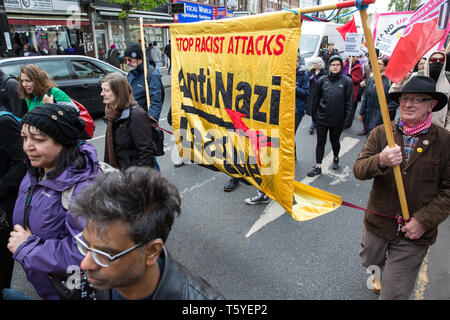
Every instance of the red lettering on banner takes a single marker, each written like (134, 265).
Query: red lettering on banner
(250, 48)
(260, 38)
(280, 44)
(247, 45)
(197, 44)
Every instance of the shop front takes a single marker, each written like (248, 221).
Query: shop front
(109, 29)
(48, 27)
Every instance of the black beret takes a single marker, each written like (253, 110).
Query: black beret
(57, 121)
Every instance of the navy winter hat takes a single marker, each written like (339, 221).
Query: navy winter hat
(134, 50)
(57, 121)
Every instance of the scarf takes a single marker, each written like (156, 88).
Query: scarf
(419, 129)
(110, 154)
(410, 136)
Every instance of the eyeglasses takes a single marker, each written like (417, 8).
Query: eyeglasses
(335, 65)
(434, 60)
(101, 258)
(414, 100)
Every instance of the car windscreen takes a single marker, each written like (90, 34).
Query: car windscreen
(308, 44)
(56, 69)
(11, 69)
(106, 67)
(85, 69)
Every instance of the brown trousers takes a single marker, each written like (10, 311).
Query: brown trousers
(399, 261)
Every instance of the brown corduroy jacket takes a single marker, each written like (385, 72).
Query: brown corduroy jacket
(426, 179)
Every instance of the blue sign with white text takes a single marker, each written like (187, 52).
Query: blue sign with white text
(195, 12)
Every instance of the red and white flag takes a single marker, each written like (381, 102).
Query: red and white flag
(426, 28)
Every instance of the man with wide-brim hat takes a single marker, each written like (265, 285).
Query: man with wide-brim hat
(392, 249)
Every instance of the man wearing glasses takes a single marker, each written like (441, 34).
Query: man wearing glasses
(422, 150)
(133, 57)
(128, 218)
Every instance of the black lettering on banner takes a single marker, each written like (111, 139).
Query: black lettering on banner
(245, 98)
(227, 94)
(275, 101)
(183, 85)
(209, 95)
(201, 80)
(262, 95)
(192, 78)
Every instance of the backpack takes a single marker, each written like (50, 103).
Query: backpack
(66, 195)
(89, 124)
(88, 121)
(4, 80)
(7, 113)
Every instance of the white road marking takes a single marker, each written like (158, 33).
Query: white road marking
(197, 186)
(273, 210)
(95, 138)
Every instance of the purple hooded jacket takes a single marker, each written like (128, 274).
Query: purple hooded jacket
(51, 248)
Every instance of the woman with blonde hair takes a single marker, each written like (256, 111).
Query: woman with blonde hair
(36, 87)
(128, 134)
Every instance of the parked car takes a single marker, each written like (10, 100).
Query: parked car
(78, 76)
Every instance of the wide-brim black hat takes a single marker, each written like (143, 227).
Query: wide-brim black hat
(421, 84)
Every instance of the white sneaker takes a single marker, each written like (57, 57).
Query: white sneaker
(258, 199)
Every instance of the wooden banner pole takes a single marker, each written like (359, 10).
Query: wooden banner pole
(144, 58)
(384, 109)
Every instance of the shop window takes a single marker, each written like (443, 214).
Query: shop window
(84, 70)
(55, 69)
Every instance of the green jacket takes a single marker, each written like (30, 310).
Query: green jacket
(58, 95)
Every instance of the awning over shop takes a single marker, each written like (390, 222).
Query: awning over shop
(42, 20)
(114, 12)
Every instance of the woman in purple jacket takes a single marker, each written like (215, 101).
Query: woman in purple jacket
(42, 240)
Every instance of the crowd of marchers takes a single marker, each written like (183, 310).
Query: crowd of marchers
(61, 206)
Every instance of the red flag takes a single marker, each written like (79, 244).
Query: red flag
(425, 28)
(348, 27)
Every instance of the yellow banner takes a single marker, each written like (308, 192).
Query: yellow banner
(233, 98)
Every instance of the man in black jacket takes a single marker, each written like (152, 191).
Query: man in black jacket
(328, 54)
(331, 109)
(9, 96)
(128, 219)
(12, 170)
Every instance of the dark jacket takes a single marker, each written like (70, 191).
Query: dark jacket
(133, 138)
(313, 86)
(9, 97)
(136, 80)
(333, 101)
(113, 57)
(12, 168)
(176, 283)
(301, 91)
(326, 57)
(426, 179)
(370, 107)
